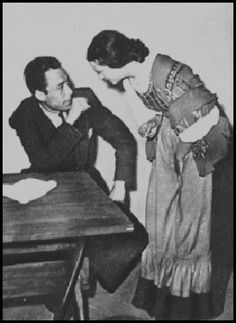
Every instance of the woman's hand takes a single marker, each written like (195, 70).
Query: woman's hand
(182, 150)
(77, 107)
(149, 128)
(118, 191)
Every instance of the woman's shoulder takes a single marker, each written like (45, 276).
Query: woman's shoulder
(162, 66)
(163, 59)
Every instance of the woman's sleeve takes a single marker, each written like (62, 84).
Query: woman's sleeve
(213, 147)
(200, 129)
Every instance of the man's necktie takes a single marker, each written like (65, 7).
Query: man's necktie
(61, 116)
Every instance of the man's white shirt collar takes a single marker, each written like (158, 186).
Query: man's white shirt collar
(53, 116)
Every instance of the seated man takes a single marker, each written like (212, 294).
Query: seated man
(54, 129)
(54, 126)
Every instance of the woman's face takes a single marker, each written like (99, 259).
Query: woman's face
(108, 74)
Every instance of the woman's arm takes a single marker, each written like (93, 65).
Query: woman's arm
(202, 126)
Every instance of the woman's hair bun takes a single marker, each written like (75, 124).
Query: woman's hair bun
(137, 50)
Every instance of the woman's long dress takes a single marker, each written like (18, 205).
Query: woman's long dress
(176, 265)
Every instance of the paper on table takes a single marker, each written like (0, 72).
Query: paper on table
(28, 189)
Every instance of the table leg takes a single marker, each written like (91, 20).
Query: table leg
(76, 309)
(82, 291)
(77, 261)
(84, 287)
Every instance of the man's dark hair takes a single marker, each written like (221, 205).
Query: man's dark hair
(34, 72)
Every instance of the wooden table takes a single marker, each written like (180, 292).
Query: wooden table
(44, 240)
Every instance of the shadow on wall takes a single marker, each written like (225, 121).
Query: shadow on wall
(222, 231)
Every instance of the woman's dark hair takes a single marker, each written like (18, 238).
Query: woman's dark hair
(115, 50)
(35, 72)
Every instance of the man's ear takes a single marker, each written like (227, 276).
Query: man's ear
(40, 95)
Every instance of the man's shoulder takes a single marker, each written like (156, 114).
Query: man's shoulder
(83, 92)
(27, 109)
(28, 104)
(93, 100)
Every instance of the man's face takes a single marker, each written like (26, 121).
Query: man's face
(58, 91)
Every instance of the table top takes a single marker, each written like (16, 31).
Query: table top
(76, 207)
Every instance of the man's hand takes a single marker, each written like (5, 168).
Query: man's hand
(118, 191)
(77, 107)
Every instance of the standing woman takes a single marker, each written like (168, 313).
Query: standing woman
(188, 136)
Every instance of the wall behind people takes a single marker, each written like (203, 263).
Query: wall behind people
(199, 34)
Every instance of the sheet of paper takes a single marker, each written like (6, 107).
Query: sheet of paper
(28, 189)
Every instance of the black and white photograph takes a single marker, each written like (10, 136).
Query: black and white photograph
(117, 161)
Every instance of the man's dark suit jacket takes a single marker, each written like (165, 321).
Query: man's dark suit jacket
(68, 148)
